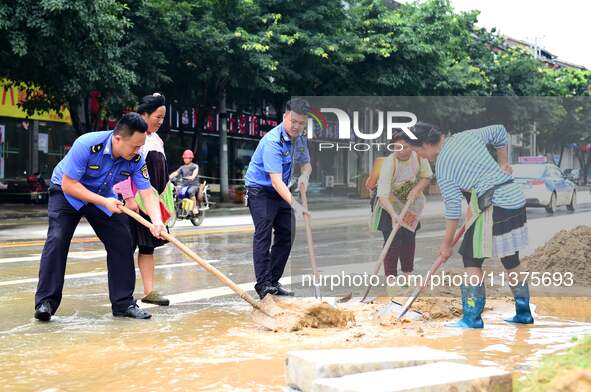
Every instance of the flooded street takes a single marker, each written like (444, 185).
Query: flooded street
(202, 347)
(206, 340)
(295, 196)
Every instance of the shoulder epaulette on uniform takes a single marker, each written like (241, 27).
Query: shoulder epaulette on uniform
(96, 148)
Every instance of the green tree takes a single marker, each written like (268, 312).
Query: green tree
(420, 48)
(572, 112)
(314, 46)
(65, 48)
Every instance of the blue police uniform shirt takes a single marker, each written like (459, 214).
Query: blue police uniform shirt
(91, 162)
(276, 153)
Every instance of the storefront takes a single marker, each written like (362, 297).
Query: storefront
(30, 144)
(187, 129)
(341, 167)
(337, 170)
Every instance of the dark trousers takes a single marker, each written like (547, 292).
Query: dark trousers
(402, 248)
(272, 216)
(113, 232)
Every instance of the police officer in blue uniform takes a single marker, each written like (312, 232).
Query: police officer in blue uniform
(269, 199)
(82, 186)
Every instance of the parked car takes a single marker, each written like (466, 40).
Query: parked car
(544, 185)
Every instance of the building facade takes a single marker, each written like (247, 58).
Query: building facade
(30, 144)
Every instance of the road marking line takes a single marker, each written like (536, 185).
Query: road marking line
(86, 240)
(96, 274)
(93, 254)
(18, 259)
(73, 255)
(180, 234)
(191, 296)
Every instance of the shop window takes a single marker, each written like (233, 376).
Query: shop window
(16, 147)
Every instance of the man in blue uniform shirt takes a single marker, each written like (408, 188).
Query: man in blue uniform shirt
(82, 186)
(269, 199)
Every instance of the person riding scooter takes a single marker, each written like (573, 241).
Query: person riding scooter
(189, 177)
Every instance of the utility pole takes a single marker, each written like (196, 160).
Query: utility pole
(534, 141)
(223, 149)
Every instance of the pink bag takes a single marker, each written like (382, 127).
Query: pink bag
(125, 188)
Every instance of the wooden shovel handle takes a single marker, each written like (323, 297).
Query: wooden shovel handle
(438, 263)
(311, 251)
(203, 263)
(387, 245)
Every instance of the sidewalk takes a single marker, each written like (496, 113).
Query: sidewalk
(433, 207)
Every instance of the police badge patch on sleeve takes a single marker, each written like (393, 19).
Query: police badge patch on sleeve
(96, 148)
(144, 170)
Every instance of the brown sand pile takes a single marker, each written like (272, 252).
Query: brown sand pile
(430, 308)
(578, 380)
(392, 321)
(438, 308)
(294, 314)
(567, 251)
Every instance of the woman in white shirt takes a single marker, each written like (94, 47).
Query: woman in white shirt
(403, 176)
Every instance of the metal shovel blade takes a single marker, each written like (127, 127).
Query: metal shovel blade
(394, 308)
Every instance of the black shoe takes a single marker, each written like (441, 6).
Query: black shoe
(44, 311)
(283, 291)
(133, 311)
(264, 290)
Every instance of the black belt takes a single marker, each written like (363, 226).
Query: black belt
(55, 188)
(262, 188)
(268, 190)
(485, 200)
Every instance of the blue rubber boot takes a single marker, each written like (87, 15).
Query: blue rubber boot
(522, 310)
(473, 300)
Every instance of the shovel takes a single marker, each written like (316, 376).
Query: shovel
(438, 263)
(386, 247)
(203, 263)
(311, 251)
(272, 313)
